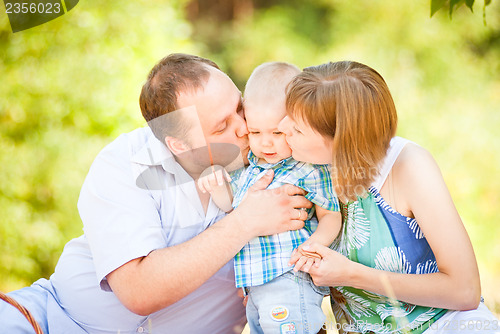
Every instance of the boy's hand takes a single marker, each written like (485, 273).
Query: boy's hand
(312, 255)
(305, 262)
(303, 258)
(334, 269)
(241, 295)
(212, 178)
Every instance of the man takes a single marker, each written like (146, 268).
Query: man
(156, 255)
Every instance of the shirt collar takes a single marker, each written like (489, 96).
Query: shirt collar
(155, 153)
(287, 163)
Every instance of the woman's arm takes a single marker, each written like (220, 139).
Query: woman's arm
(419, 187)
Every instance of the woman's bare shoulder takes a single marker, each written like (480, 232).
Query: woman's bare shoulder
(418, 179)
(414, 161)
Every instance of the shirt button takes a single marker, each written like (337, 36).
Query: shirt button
(140, 329)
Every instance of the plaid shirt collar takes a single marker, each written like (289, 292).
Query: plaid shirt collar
(287, 163)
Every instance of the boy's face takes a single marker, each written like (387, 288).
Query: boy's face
(265, 140)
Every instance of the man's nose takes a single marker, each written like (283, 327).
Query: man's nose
(241, 126)
(284, 126)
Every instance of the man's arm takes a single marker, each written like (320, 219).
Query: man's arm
(148, 284)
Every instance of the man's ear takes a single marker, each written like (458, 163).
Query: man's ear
(176, 145)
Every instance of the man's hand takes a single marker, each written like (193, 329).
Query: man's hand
(153, 282)
(272, 211)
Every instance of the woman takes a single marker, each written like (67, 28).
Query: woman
(404, 259)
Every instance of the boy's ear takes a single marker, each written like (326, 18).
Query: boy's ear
(176, 145)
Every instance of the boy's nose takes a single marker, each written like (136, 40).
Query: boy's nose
(266, 141)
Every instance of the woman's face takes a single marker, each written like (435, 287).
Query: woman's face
(306, 144)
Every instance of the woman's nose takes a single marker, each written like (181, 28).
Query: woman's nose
(284, 126)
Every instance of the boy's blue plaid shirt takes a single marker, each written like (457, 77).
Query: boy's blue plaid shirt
(265, 258)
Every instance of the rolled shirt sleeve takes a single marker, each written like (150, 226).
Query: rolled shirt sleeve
(121, 220)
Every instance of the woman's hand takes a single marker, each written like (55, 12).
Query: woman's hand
(331, 270)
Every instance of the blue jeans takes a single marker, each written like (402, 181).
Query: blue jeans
(40, 301)
(290, 304)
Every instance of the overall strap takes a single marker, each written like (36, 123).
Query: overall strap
(396, 146)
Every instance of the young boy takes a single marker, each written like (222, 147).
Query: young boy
(279, 299)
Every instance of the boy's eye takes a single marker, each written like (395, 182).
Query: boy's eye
(277, 133)
(296, 130)
(254, 132)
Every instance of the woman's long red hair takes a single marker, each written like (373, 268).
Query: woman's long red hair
(351, 103)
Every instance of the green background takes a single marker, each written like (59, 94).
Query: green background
(69, 87)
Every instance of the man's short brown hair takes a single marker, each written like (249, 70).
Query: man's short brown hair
(174, 73)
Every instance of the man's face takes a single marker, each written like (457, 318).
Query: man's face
(220, 114)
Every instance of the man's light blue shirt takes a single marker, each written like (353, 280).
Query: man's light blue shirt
(136, 199)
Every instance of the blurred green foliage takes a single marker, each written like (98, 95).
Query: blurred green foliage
(71, 86)
(454, 4)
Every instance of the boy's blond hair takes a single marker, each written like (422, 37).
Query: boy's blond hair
(268, 81)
